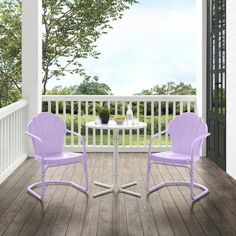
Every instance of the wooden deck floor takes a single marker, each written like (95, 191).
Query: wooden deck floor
(66, 211)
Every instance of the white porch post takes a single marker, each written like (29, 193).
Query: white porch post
(231, 87)
(32, 55)
(201, 68)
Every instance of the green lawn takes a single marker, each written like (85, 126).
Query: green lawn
(127, 140)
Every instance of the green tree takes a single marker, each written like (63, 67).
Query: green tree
(92, 87)
(10, 51)
(171, 88)
(59, 90)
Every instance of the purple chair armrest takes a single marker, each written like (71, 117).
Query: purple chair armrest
(37, 139)
(153, 137)
(81, 138)
(196, 141)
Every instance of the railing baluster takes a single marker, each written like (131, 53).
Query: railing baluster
(138, 117)
(123, 131)
(152, 118)
(109, 132)
(1, 147)
(130, 133)
(79, 120)
(159, 124)
(49, 106)
(86, 120)
(167, 120)
(94, 131)
(20, 136)
(101, 133)
(174, 109)
(4, 143)
(8, 140)
(64, 117)
(72, 122)
(145, 120)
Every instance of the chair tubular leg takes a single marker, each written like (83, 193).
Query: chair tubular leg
(190, 183)
(86, 176)
(43, 184)
(148, 177)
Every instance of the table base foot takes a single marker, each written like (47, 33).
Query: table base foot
(103, 192)
(128, 185)
(116, 189)
(102, 185)
(130, 192)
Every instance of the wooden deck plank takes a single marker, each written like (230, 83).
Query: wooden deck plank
(188, 217)
(12, 205)
(162, 221)
(15, 177)
(47, 222)
(216, 216)
(145, 211)
(220, 201)
(223, 187)
(105, 209)
(25, 211)
(17, 189)
(174, 216)
(92, 211)
(81, 202)
(196, 209)
(168, 211)
(119, 202)
(39, 210)
(131, 205)
(63, 218)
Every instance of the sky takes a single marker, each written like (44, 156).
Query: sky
(152, 44)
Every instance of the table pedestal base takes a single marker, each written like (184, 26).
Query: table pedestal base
(116, 189)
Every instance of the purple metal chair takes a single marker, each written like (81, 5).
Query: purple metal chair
(47, 132)
(187, 132)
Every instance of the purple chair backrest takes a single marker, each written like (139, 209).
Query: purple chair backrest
(50, 129)
(183, 130)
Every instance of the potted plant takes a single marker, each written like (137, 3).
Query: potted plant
(104, 114)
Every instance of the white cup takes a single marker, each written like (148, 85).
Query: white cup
(97, 120)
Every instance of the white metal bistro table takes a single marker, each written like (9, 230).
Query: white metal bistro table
(116, 187)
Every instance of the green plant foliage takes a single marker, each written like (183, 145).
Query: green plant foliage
(10, 51)
(92, 87)
(171, 88)
(102, 109)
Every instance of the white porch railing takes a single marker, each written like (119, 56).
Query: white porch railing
(12, 137)
(155, 110)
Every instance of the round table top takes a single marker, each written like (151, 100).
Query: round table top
(112, 125)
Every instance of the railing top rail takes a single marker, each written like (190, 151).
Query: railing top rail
(5, 111)
(133, 98)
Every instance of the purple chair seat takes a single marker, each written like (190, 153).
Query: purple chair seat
(187, 132)
(47, 132)
(62, 158)
(171, 158)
